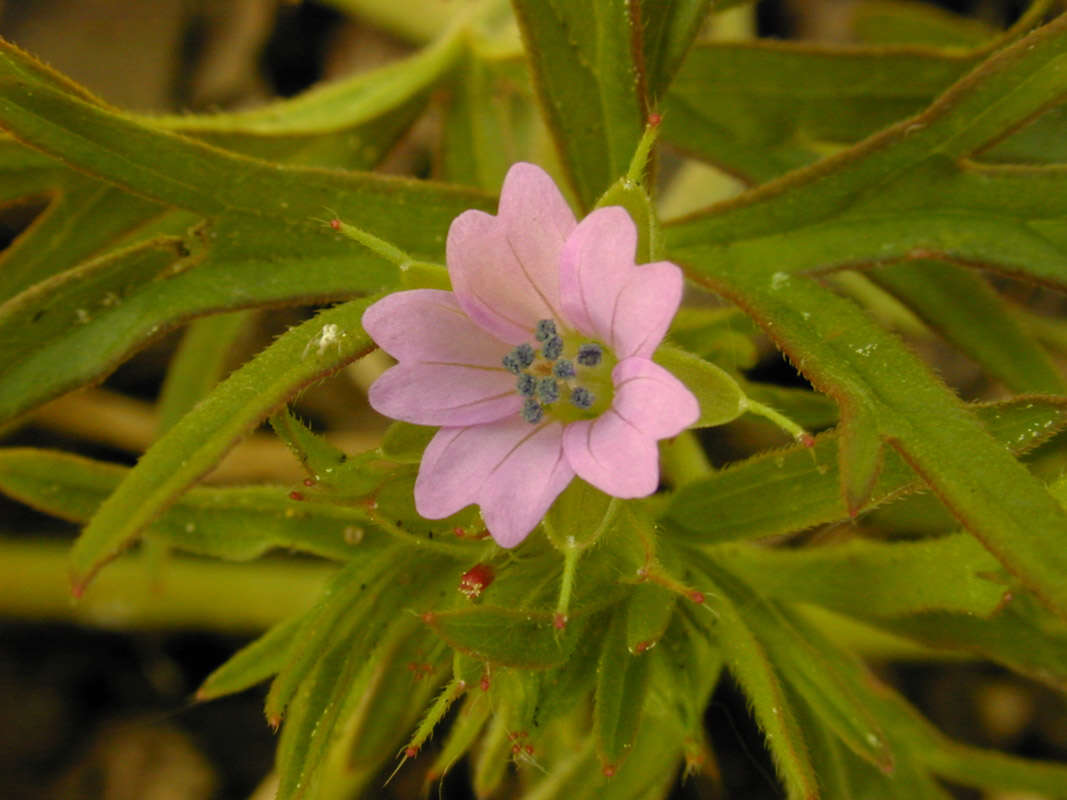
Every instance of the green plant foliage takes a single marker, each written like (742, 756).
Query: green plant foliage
(883, 198)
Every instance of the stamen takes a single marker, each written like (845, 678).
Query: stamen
(553, 348)
(525, 353)
(547, 390)
(526, 384)
(582, 397)
(519, 358)
(564, 368)
(545, 330)
(532, 411)
(589, 354)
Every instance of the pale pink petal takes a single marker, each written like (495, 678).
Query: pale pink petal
(606, 295)
(644, 309)
(505, 269)
(613, 455)
(512, 469)
(595, 265)
(445, 394)
(616, 452)
(429, 325)
(651, 399)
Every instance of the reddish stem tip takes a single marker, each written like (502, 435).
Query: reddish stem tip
(807, 440)
(484, 682)
(559, 621)
(655, 119)
(335, 224)
(609, 770)
(295, 496)
(411, 752)
(696, 597)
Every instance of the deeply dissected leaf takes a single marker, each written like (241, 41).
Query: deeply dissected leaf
(233, 523)
(668, 29)
(199, 440)
(199, 363)
(509, 637)
(253, 663)
(754, 670)
(266, 243)
(805, 484)
(969, 314)
(622, 681)
(582, 53)
(870, 579)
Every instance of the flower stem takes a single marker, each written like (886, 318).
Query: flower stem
(779, 419)
(186, 593)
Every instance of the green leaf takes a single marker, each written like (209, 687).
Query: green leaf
(821, 673)
(351, 123)
(198, 364)
(875, 579)
(579, 517)
(894, 22)
(266, 242)
(202, 437)
(490, 121)
(621, 683)
(1022, 636)
(805, 483)
(590, 86)
(253, 663)
(721, 399)
(405, 442)
(728, 104)
(345, 611)
(649, 611)
(859, 454)
(752, 667)
(968, 313)
(506, 636)
(668, 28)
(965, 764)
(232, 523)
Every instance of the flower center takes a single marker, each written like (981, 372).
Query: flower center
(563, 376)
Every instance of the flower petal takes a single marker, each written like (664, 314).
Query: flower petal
(613, 455)
(510, 468)
(445, 394)
(505, 269)
(606, 295)
(651, 399)
(429, 325)
(644, 309)
(594, 266)
(616, 452)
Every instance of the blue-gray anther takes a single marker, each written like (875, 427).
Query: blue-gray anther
(525, 354)
(526, 384)
(553, 348)
(547, 390)
(589, 354)
(564, 368)
(511, 363)
(546, 329)
(582, 397)
(532, 411)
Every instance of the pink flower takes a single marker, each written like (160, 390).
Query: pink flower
(538, 365)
